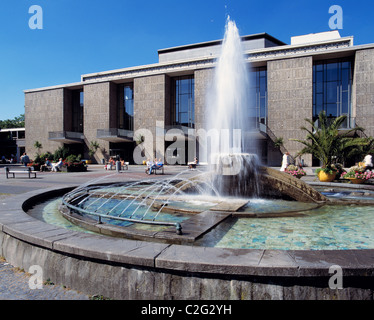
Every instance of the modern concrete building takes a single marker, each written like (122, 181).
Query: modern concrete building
(289, 82)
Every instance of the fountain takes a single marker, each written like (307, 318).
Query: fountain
(236, 172)
(234, 176)
(198, 235)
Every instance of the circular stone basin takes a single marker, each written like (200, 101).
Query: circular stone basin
(329, 227)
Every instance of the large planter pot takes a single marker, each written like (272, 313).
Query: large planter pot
(356, 180)
(326, 177)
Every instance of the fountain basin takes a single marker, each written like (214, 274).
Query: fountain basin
(129, 269)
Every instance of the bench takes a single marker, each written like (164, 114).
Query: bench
(125, 166)
(29, 172)
(159, 168)
(155, 170)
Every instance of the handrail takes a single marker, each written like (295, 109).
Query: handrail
(177, 225)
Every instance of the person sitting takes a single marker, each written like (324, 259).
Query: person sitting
(57, 166)
(155, 165)
(192, 165)
(124, 164)
(368, 163)
(149, 164)
(111, 164)
(46, 166)
(159, 164)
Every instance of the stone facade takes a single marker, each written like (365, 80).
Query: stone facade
(203, 78)
(98, 101)
(290, 100)
(364, 86)
(44, 112)
(152, 112)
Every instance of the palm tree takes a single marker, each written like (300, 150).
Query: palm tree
(38, 145)
(94, 145)
(326, 142)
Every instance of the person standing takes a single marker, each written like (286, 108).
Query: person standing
(25, 160)
(286, 161)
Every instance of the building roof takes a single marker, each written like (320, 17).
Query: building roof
(263, 35)
(212, 48)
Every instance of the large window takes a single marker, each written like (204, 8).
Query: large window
(77, 114)
(183, 101)
(332, 86)
(126, 106)
(257, 108)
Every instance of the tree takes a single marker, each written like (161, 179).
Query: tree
(17, 122)
(38, 145)
(94, 145)
(327, 143)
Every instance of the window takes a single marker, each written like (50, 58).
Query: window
(126, 106)
(183, 101)
(257, 108)
(332, 87)
(77, 114)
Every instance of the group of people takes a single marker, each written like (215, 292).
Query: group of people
(53, 167)
(111, 164)
(11, 160)
(153, 165)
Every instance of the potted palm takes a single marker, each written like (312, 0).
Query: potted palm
(94, 145)
(325, 142)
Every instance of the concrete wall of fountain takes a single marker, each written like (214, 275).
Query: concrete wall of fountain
(241, 175)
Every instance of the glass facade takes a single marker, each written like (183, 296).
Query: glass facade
(77, 110)
(183, 101)
(126, 106)
(257, 108)
(332, 89)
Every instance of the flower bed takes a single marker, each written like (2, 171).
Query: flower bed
(357, 174)
(295, 171)
(75, 166)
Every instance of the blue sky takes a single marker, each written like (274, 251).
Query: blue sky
(85, 36)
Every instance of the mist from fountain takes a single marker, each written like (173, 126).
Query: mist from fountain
(236, 171)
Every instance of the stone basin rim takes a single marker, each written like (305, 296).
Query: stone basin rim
(16, 223)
